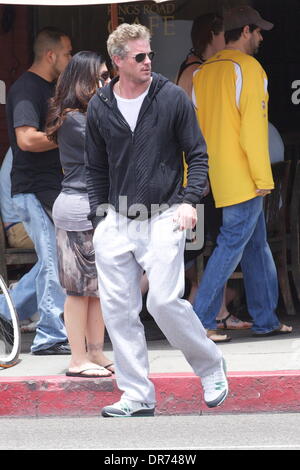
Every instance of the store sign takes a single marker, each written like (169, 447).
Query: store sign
(168, 33)
(2, 92)
(296, 93)
(154, 15)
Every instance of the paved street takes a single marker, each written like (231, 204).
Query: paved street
(189, 433)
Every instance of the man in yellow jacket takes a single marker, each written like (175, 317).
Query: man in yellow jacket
(231, 98)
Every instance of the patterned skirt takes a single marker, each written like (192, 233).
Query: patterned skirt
(76, 262)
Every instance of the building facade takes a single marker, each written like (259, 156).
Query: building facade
(170, 24)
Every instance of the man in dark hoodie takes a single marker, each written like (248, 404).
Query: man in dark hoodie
(137, 129)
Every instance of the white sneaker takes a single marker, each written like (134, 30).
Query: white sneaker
(127, 408)
(215, 386)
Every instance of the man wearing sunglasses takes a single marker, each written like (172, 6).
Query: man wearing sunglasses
(137, 129)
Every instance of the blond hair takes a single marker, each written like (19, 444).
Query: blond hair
(117, 43)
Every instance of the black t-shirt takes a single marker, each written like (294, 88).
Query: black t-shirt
(32, 172)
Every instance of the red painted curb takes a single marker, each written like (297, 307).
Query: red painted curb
(177, 394)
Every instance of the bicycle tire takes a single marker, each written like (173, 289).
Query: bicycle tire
(10, 334)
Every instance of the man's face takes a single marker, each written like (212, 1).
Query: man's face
(129, 68)
(255, 39)
(61, 56)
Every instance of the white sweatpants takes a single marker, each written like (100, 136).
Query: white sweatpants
(124, 249)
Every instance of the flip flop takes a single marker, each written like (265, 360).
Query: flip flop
(108, 367)
(213, 335)
(223, 323)
(83, 375)
(278, 331)
(29, 328)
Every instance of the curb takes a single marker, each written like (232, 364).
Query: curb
(177, 394)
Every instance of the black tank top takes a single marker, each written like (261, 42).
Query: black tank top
(184, 66)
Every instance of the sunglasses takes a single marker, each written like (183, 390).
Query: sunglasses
(104, 76)
(142, 56)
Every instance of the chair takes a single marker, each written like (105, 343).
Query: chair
(13, 256)
(276, 214)
(277, 222)
(294, 235)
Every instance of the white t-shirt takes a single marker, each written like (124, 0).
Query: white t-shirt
(130, 108)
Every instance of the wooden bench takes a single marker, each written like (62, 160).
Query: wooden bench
(13, 256)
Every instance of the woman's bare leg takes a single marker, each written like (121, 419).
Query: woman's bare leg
(95, 335)
(76, 318)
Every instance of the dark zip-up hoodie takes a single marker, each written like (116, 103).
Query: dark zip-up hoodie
(146, 165)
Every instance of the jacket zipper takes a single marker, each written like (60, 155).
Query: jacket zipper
(122, 120)
(119, 116)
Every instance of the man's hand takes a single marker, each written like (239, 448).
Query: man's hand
(263, 192)
(185, 217)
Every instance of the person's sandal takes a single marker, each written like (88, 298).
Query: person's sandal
(216, 338)
(224, 324)
(281, 330)
(110, 367)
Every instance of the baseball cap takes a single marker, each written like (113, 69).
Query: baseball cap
(238, 17)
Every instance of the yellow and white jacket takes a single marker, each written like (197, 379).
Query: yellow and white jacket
(231, 99)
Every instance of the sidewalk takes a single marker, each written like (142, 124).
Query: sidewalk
(264, 376)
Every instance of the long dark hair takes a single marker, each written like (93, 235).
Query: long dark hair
(202, 29)
(75, 87)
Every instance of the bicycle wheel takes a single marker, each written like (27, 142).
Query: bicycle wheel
(10, 336)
